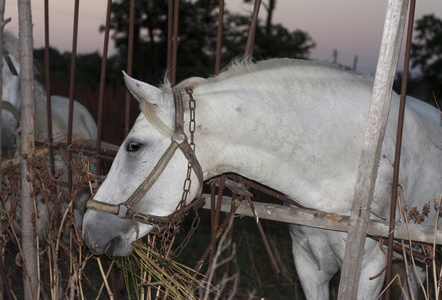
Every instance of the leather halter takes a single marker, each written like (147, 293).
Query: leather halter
(9, 63)
(12, 109)
(125, 210)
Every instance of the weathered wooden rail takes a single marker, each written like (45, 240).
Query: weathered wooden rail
(323, 220)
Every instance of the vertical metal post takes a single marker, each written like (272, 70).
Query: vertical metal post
(130, 50)
(72, 84)
(176, 10)
(172, 39)
(371, 148)
(169, 37)
(397, 156)
(219, 37)
(4, 286)
(252, 30)
(102, 82)
(48, 88)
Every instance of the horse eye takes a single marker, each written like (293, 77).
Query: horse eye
(133, 146)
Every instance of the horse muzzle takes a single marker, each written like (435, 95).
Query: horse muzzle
(108, 234)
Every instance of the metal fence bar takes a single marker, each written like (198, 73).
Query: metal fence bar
(176, 10)
(371, 147)
(397, 156)
(252, 30)
(102, 82)
(130, 49)
(219, 36)
(48, 87)
(72, 83)
(169, 36)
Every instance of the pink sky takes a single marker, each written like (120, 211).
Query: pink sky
(353, 27)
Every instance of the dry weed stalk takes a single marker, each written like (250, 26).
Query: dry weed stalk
(435, 277)
(105, 276)
(223, 245)
(390, 283)
(60, 235)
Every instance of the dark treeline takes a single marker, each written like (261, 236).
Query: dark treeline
(196, 49)
(197, 40)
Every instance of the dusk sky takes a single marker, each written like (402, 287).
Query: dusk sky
(353, 27)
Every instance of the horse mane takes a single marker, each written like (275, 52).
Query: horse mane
(241, 66)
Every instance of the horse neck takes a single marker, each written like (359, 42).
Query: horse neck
(280, 132)
(238, 135)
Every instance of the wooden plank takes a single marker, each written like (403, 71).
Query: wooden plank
(317, 219)
(371, 148)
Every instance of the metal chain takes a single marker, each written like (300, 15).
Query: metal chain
(172, 229)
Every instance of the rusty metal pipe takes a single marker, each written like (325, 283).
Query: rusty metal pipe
(176, 10)
(219, 37)
(48, 86)
(169, 37)
(252, 30)
(130, 49)
(263, 236)
(217, 235)
(102, 82)
(72, 83)
(397, 155)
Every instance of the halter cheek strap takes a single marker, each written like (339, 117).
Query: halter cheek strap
(10, 63)
(125, 210)
(12, 109)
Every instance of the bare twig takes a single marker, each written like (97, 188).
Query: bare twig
(411, 246)
(111, 295)
(436, 285)
(400, 284)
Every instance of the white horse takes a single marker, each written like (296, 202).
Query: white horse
(83, 122)
(296, 126)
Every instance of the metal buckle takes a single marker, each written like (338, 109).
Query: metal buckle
(123, 211)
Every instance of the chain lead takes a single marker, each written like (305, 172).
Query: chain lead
(173, 227)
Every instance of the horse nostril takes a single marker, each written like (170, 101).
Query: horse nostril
(110, 247)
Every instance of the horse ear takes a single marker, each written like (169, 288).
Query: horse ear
(143, 92)
(150, 99)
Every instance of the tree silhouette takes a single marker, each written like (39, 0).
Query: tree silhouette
(197, 37)
(426, 53)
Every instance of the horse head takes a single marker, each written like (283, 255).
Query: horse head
(145, 183)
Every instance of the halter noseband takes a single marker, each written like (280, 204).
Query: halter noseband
(125, 210)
